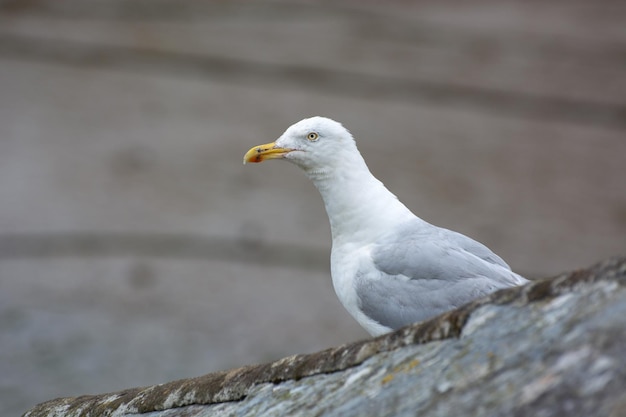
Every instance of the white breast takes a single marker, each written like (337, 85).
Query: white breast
(345, 261)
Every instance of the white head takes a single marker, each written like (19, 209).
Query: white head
(314, 144)
(327, 153)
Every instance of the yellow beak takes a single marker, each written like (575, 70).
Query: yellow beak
(261, 153)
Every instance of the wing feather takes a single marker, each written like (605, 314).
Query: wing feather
(421, 271)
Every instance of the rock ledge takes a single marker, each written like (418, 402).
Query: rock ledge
(552, 347)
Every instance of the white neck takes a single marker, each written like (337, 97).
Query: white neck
(355, 202)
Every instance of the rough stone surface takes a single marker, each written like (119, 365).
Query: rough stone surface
(553, 347)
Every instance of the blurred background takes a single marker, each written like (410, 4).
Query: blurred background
(135, 248)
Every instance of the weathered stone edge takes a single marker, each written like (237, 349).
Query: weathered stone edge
(234, 384)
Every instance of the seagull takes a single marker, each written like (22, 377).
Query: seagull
(389, 268)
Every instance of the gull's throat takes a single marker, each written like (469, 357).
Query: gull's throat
(358, 205)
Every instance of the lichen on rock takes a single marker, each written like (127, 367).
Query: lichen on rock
(553, 347)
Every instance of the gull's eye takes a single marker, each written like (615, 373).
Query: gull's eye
(312, 136)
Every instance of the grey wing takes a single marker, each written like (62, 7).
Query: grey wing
(395, 303)
(474, 247)
(423, 271)
(421, 251)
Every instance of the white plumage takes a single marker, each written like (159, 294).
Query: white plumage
(389, 267)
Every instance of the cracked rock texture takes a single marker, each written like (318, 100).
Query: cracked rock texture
(551, 348)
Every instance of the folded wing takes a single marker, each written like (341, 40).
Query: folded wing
(420, 271)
